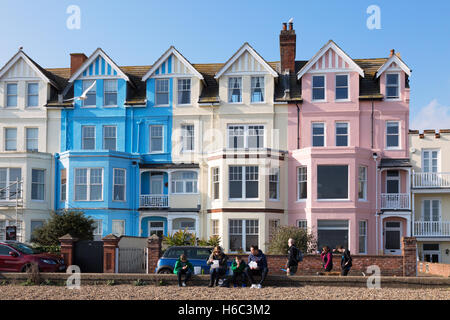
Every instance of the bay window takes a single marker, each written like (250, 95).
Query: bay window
(37, 184)
(88, 184)
(243, 234)
(243, 182)
(119, 176)
(332, 182)
(9, 180)
(245, 136)
(184, 182)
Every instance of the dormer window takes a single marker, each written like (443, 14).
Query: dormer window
(235, 90)
(32, 94)
(91, 96)
(257, 89)
(342, 87)
(11, 95)
(162, 92)
(184, 91)
(110, 93)
(392, 86)
(318, 90)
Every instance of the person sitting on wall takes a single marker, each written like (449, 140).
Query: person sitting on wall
(346, 261)
(327, 259)
(218, 262)
(183, 266)
(257, 265)
(238, 267)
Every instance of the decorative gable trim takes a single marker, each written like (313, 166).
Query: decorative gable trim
(246, 48)
(33, 65)
(339, 52)
(165, 57)
(399, 63)
(84, 69)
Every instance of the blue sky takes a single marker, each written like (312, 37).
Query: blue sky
(137, 32)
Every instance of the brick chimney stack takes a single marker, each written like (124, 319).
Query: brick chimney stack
(287, 48)
(76, 61)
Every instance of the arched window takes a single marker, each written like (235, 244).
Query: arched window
(184, 182)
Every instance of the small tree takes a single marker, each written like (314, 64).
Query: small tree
(303, 240)
(73, 222)
(180, 238)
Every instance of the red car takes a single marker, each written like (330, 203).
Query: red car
(18, 257)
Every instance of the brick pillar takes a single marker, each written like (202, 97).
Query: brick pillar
(409, 252)
(154, 252)
(110, 244)
(67, 248)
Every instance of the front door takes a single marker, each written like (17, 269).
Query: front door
(156, 227)
(392, 237)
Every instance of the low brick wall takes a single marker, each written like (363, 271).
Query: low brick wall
(436, 269)
(311, 264)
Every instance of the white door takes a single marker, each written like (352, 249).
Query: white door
(156, 185)
(392, 237)
(156, 227)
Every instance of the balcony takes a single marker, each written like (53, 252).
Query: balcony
(431, 228)
(395, 201)
(424, 180)
(153, 201)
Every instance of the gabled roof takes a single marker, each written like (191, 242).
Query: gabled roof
(164, 57)
(330, 45)
(91, 59)
(246, 47)
(394, 59)
(45, 75)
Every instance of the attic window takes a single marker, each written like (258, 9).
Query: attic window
(235, 90)
(257, 89)
(392, 84)
(318, 93)
(162, 92)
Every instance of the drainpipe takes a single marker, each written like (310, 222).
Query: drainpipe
(55, 200)
(372, 118)
(298, 126)
(375, 157)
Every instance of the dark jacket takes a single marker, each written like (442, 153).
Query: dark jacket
(292, 256)
(180, 264)
(241, 268)
(259, 258)
(327, 259)
(223, 258)
(346, 259)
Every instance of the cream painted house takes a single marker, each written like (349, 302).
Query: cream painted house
(29, 135)
(430, 158)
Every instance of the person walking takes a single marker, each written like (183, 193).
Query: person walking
(294, 257)
(257, 265)
(183, 267)
(346, 260)
(218, 262)
(327, 259)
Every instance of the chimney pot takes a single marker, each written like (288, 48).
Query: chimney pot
(76, 61)
(291, 26)
(284, 26)
(392, 52)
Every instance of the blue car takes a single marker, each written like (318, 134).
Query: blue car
(198, 256)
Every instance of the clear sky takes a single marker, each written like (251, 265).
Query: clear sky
(137, 32)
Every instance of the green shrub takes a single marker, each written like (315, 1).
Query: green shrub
(54, 249)
(279, 242)
(111, 282)
(139, 283)
(74, 223)
(180, 238)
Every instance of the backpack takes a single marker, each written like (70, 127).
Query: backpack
(299, 256)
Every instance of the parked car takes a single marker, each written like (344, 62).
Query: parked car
(198, 256)
(19, 257)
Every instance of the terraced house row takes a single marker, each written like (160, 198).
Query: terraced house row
(231, 149)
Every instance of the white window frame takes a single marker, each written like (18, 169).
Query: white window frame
(184, 182)
(340, 134)
(110, 92)
(185, 138)
(88, 184)
(98, 231)
(398, 86)
(179, 90)
(215, 227)
(28, 94)
(231, 89)
(363, 181)
(399, 135)
(318, 135)
(150, 228)
(63, 184)
(252, 88)
(246, 135)
(104, 137)
(215, 178)
(162, 92)
(8, 182)
(162, 138)
(124, 184)
(360, 234)
(274, 172)
(243, 232)
(83, 137)
(397, 178)
(7, 95)
(28, 139)
(324, 88)
(438, 160)
(243, 181)
(123, 222)
(302, 224)
(302, 181)
(341, 87)
(33, 183)
(90, 92)
(6, 139)
(422, 215)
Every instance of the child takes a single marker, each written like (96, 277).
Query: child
(183, 266)
(327, 259)
(238, 266)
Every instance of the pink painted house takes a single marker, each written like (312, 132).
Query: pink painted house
(348, 150)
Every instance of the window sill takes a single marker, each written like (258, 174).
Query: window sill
(114, 106)
(301, 200)
(184, 105)
(161, 105)
(235, 103)
(318, 101)
(274, 200)
(185, 194)
(88, 107)
(333, 200)
(393, 148)
(244, 200)
(342, 100)
(258, 102)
